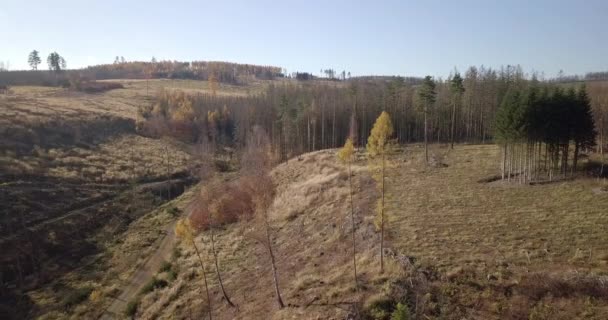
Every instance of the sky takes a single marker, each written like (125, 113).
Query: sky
(407, 38)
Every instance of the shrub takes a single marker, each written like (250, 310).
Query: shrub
(402, 312)
(153, 284)
(165, 266)
(94, 86)
(172, 275)
(380, 307)
(538, 285)
(174, 211)
(131, 308)
(225, 203)
(76, 297)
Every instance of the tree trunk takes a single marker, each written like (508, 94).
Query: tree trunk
(382, 221)
(217, 269)
(504, 160)
(275, 277)
(426, 146)
(333, 128)
(200, 260)
(452, 129)
(575, 159)
(322, 127)
(602, 146)
(308, 135)
(314, 134)
(352, 217)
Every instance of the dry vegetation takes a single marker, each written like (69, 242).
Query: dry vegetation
(311, 227)
(74, 176)
(458, 247)
(506, 251)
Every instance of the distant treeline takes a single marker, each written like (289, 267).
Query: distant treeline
(306, 116)
(225, 72)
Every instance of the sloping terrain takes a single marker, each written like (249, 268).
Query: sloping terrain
(458, 247)
(311, 238)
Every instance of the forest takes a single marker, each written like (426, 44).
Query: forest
(483, 106)
(58, 74)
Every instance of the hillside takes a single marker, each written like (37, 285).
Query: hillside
(92, 203)
(458, 247)
(75, 177)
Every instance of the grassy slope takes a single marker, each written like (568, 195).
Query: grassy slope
(477, 244)
(49, 181)
(447, 216)
(499, 233)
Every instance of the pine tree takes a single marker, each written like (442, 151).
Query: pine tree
(56, 62)
(457, 89)
(379, 145)
(34, 60)
(584, 132)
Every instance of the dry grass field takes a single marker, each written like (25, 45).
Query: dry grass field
(475, 250)
(498, 235)
(74, 175)
(94, 196)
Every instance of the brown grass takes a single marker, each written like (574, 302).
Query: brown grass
(475, 250)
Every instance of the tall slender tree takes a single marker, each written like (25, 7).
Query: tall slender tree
(56, 62)
(184, 231)
(457, 90)
(427, 95)
(379, 145)
(34, 60)
(346, 155)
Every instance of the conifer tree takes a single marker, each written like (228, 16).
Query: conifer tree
(34, 60)
(457, 89)
(379, 145)
(427, 96)
(584, 132)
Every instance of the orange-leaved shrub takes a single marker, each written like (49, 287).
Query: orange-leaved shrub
(225, 202)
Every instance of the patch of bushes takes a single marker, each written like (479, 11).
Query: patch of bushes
(131, 308)
(153, 284)
(231, 201)
(165, 266)
(174, 211)
(222, 165)
(538, 285)
(93, 86)
(75, 297)
(169, 268)
(401, 312)
(380, 308)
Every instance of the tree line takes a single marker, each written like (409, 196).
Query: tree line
(541, 129)
(250, 195)
(225, 72)
(306, 116)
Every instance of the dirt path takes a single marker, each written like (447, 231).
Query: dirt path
(139, 278)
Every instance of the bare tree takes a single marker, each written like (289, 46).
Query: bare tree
(185, 231)
(256, 163)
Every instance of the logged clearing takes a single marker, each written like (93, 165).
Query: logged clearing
(82, 185)
(311, 223)
(450, 217)
(472, 249)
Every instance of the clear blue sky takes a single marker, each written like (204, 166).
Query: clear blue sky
(364, 37)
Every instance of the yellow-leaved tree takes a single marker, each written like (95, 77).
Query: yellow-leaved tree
(347, 156)
(379, 145)
(185, 232)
